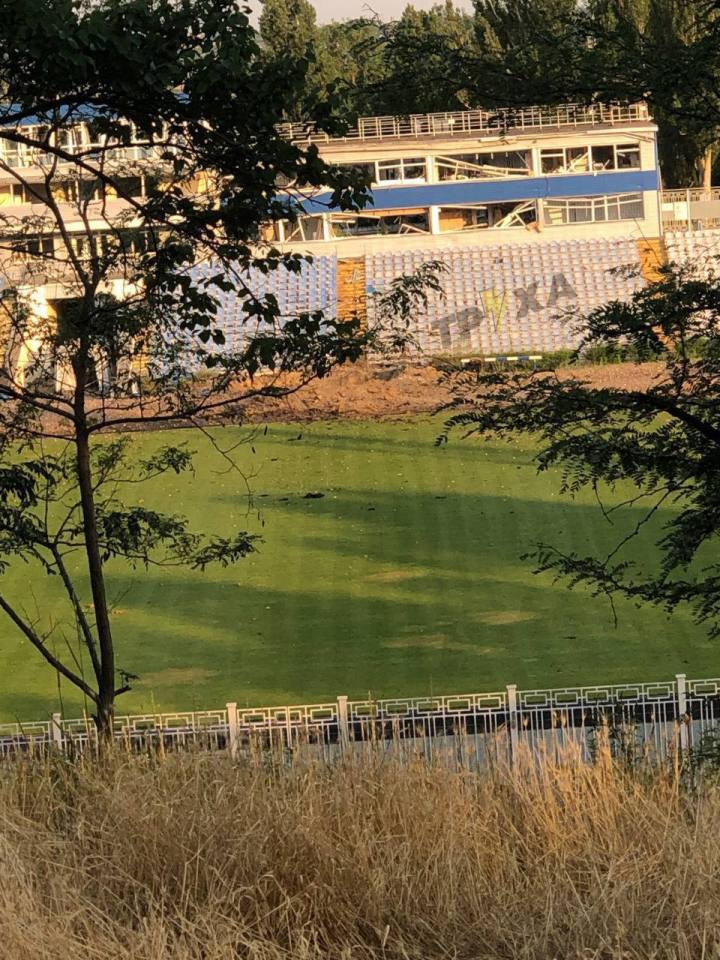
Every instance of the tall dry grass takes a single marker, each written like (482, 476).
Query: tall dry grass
(194, 856)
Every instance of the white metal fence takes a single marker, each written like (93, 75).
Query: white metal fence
(464, 123)
(656, 719)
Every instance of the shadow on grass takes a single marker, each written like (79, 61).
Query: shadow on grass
(390, 592)
(413, 597)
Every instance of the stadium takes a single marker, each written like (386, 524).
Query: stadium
(359, 479)
(539, 215)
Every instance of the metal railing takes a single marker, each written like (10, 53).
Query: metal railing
(658, 718)
(690, 194)
(475, 122)
(90, 153)
(691, 208)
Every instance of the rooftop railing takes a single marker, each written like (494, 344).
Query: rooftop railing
(475, 122)
(690, 194)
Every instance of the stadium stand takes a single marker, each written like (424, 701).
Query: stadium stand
(539, 215)
(513, 297)
(494, 299)
(698, 250)
(314, 287)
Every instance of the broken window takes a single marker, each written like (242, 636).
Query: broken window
(14, 193)
(35, 246)
(305, 228)
(11, 153)
(128, 186)
(565, 160)
(463, 218)
(485, 216)
(70, 138)
(366, 169)
(623, 156)
(628, 206)
(477, 166)
(603, 158)
(412, 168)
(404, 169)
(627, 156)
(378, 224)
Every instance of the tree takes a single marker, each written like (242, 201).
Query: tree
(528, 51)
(420, 46)
(659, 50)
(289, 35)
(363, 66)
(351, 58)
(288, 28)
(662, 51)
(140, 153)
(659, 446)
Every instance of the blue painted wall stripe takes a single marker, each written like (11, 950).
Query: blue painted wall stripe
(484, 191)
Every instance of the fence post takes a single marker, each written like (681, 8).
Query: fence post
(343, 725)
(513, 721)
(56, 730)
(232, 716)
(681, 680)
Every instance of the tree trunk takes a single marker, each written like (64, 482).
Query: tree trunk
(106, 684)
(707, 168)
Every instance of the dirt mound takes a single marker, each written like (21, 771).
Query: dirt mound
(358, 392)
(363, 391)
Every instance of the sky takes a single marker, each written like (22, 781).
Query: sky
(387, 9)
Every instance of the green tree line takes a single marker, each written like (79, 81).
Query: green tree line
(515, 52)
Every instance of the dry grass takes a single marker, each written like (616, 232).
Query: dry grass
(195, 857)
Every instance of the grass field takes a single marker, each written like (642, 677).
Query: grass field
(405, 578)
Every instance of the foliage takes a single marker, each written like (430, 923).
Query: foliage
(662, 441)
(289, 35)
(665, 51)
(420, 48)
(528, 51)
(141, 138)
(363, 66)
(351, 57)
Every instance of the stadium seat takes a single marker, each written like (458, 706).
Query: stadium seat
(501, 299)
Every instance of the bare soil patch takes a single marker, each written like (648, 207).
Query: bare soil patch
(361, 391)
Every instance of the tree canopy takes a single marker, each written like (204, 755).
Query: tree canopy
(515, 53)
(654, 449)
(140, 153)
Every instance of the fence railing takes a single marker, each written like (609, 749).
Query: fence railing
(657, 718)
(691, 208)
(464, 123)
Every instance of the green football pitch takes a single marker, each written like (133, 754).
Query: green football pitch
(404, 578)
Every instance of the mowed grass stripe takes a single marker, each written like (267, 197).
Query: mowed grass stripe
(405, 578)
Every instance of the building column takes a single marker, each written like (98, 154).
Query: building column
(430, 171)
(434, 218)
(31, 343)
(535, 170)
